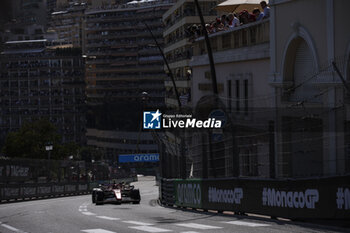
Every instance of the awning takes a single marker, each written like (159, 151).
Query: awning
(238, 5)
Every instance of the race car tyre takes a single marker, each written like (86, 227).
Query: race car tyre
(98, 203)
(99, 198)
(136, 202)
(93, 197)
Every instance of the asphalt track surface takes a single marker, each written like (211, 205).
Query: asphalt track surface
(77, 214)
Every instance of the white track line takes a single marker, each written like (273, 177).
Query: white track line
(107, 218)
(88, 213)
(150, 229)
(11, 228)
(248, 224)
(97, 231)
(139, 223)
(198, 226)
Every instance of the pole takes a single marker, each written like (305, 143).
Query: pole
(49, 166)
(167, 65)
(183, 157)
(341, 77)
(272, 149)
(212, 165)
(204, 159)
(213, 74)
(210, 52)
(235, 154)
(170, 73)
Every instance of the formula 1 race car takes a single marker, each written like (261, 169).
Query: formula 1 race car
(115, 193)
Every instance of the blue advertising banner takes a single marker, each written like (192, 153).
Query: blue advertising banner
(132, 158)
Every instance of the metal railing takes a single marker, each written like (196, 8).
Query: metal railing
(233, 38)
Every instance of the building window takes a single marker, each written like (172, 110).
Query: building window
(237, 96)
(229, 93)
(299, 69)
(207, 75)
(246, 97)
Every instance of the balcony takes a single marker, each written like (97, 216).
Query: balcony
(186, 20)
(193, 13)
(244, 36)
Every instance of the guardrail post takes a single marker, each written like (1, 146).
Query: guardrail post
(272, 148)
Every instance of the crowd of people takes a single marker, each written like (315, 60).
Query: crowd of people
(231, 20)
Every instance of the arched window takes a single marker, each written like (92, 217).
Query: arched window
(300, 72)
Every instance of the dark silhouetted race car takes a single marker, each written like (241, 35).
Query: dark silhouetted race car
(115, 193)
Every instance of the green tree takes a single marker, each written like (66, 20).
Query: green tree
(89, 153)
(62, 151)
(30, 140)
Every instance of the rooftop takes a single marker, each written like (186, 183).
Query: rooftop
(130, 6)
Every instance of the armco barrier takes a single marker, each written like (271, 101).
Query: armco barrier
(38, 190)
(22, 191)
(323, 198)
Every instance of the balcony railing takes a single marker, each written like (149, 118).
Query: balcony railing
(243, 36)
(179, 17)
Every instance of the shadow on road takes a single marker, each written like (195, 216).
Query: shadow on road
(331, 225)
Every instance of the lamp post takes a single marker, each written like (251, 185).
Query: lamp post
(49, 148)
(144, 100)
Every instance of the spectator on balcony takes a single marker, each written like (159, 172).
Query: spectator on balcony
(212, 27)
(233, 21)
(199, 30)
(219, 25)
(224, 20)
(245, 17)
(266, 9)
(258, 14)
(208, 27)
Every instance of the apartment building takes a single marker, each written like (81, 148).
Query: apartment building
(23, 20)
(31, 12)
(68, 23)
(42, 80)
(122, 62)
(178, 21)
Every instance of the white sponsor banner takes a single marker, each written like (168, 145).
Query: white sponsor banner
(343, 198)
(230, 196)
(290, 199)
(17, 171)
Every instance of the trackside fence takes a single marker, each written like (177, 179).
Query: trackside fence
(29, 191)
(322, 198)
(25, 179)
(10, 192)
